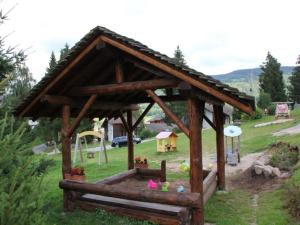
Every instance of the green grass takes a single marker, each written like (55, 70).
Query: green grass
(232, 208)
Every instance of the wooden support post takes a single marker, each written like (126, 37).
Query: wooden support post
(130, 141)
(219, 120)
(196, 112)
(66, 148)
(168, 112)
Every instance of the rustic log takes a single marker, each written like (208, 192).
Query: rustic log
(181, 75)
(209, 185)
(219, 119)
(145, 172)
(124, 122)
(65, 71)
(123, 87)
(209, 122)
(163, 169)
(97, 105)
(168, 112)
(142, 115)
(182, 199)
(81, 114)
(119, 177)
(119, 72)
(195, 115)
(130, 141)
(66, 151)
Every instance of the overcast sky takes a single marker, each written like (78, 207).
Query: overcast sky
(215, 36)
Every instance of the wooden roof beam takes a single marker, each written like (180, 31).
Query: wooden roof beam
(179, 74)
(97, 105)
(168, 112)
(123, 87)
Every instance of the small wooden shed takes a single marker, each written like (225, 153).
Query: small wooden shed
(166, 141)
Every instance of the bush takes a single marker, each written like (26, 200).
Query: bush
(264, 100)
(236, 114)
(257, 115)
(145, 133)
(292, 199)
(285, 157)
(271, 109)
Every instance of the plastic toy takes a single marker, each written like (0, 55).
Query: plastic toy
(165, 187)
(184, 166)
(180, 189)
(151, 184)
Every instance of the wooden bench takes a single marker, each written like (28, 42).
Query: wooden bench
(159, 213)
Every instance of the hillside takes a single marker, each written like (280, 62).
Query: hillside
(244, 75)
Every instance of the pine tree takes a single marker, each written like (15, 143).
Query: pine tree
(64, 51)
(21, 176)
(294, 88)
(52, 62)
(271, 79)
(179, 57)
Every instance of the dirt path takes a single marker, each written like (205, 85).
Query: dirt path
(288, 131)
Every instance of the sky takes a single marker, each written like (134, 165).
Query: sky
(216, 36)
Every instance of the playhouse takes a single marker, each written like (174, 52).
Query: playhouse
(166, 141)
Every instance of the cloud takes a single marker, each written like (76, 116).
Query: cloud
(216, 36)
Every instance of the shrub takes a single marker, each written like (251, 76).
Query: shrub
(145, 133)
(236, 114)
(292, 199)
(257, 115)
(284, 157)
(271, 109)
(264, 100)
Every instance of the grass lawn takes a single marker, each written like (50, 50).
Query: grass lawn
(232, 208)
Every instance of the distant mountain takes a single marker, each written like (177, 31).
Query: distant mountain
(244, 75)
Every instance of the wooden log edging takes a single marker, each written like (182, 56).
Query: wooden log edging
(155, 173)
(118, 177)
(179, 199)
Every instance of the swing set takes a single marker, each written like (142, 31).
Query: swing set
(90, 151)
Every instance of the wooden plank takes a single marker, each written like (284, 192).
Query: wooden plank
(137, 214)
(182, 199)
(119, 72)
(118, 177)
(181, 75)
(123, 87)
(142, 115)
(61, 75)
(130, 141)
(219, 119)
(195, 115)
(168, 112)
(81, 114)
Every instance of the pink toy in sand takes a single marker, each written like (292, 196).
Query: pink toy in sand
(151, 184)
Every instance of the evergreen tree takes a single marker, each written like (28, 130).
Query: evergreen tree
(294, 88)
(21, 176)
(64, 51)
(52, 63)
(271, 79)
(179, 57)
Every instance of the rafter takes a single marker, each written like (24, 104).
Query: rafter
(168, 112)
(123, 87)
(142, 115)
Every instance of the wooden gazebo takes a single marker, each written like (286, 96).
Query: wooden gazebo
(106, 75)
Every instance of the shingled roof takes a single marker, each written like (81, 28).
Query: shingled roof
(135, 45)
